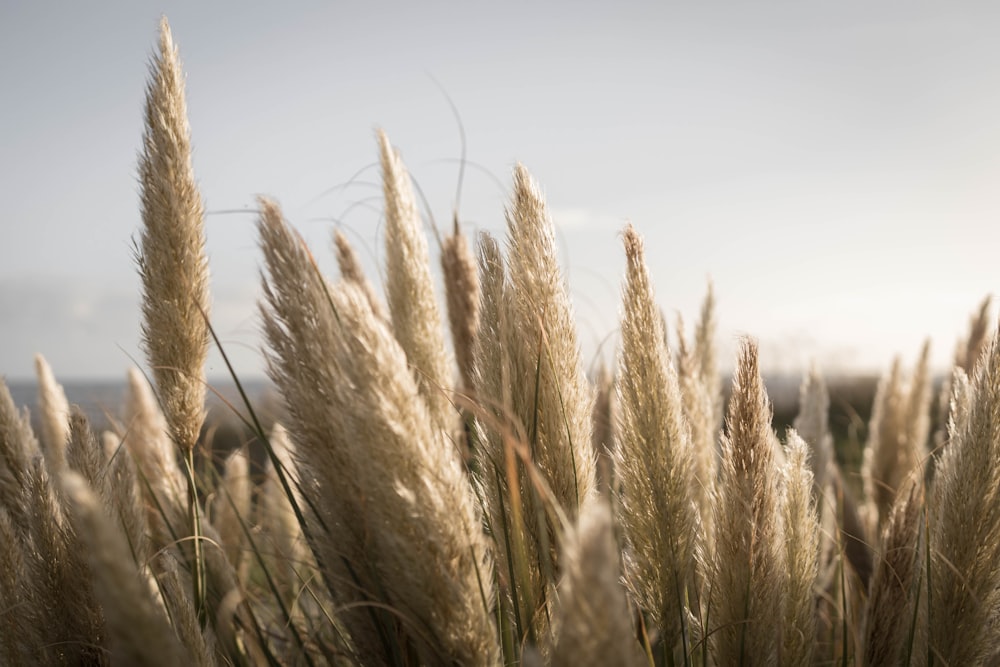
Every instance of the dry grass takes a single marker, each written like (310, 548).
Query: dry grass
(655, 464)
(380, 532)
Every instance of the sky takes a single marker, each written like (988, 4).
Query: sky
(830, 167)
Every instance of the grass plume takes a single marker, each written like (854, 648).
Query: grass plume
(749, 564)
(594, 621)
(171, 257)
(654, 461)
(965, 508)
(374, 434)
(54, 410)
(416, 319)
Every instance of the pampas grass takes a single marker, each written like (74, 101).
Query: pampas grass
(897, 439)
(171, 257)
(965, 509)
(813, 425)
(18, 446)
(379, 532)
(461, 281)
(593, 620)
(544, 352)
(54, 410)
(416, 319)
(748, 569)
(359, 364)
(231, 507)
(174, 271)
(654, 462)
(138, 628)
(802, 534)
(891, 630)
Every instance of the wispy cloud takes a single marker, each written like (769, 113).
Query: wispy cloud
(89, 329)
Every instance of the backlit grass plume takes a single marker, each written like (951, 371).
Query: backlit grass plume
(813, 426)
(893, 630)
(748, 569)
(54, 410)
(299, 323)
(351, 271)
(146, 436)
(231, 508)
(701, 399)
(171, 255)
(507, 493)
(18, 446)
(801, 526)
(416, 319)
(898, 434)
(139, 632)
(529, 379)
(654, 462)
(389, 482)
(594, 623)
(555, 401)
(965, 511)
(967, 353)
(705, 350)
(174, 272)
(461, 281)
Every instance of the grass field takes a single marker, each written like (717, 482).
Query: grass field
(409, 500)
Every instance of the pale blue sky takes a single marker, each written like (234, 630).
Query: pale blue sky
(832, 166)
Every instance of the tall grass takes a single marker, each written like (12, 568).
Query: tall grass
(412, 509)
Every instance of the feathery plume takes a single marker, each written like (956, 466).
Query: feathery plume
(54, 410)
(653, 460)
(175, 589)
(967, 353)
(801, 554)
(138, 631)
(351, 271)
(461, 282)
(110, 444)
(813, 426)
(507, 500)
(231, 509)
(69, 618)
(556, 401)
(959, 404)
(918, 417)
(749, 562)
(704, 349)
(593, 614)
(126, 504)
(603, 427)
(85, 456)
(17, 447)
(148, 442)
(885, 431)
(979, 326)
(278, 522)
(897, 440)
(416, 320)
(172, 260)
(491, 358)
(896, 583)
(698, 393)
(419, 521)
(965, 528)
(299, 321)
